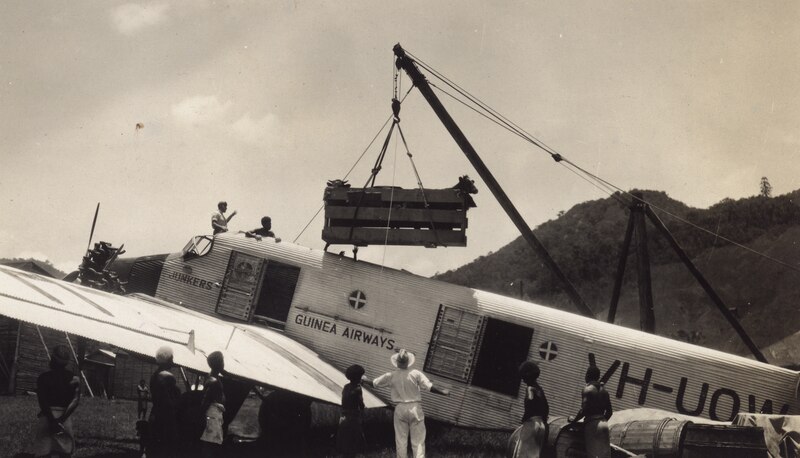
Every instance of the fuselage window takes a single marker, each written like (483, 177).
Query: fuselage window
(454, 344)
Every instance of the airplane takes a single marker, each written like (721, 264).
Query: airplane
(294, 318)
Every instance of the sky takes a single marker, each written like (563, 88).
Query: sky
(260, 103)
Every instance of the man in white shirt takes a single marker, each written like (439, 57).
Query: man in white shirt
(409, 419)
(218, 220)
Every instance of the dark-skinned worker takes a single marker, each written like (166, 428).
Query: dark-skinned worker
(58, 391)
(596, 408)
(407, 385)
(285, 421)
(164, 394)
(350, 436)
(528, 440)
(264, 231)
(219, 222)
(142, 395)
(213, 405)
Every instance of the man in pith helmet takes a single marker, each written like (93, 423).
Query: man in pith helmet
(406, 385)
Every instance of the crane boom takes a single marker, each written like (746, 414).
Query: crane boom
(408, 64)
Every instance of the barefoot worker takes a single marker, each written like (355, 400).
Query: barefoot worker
(528, 440)
(213, 405)
(596, 407)
(142, 395)
(165, 394)
(58, 391)
(350, 436)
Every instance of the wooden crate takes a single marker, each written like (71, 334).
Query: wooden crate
(396, 216)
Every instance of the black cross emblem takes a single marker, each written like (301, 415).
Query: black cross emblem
(548, 351)
(357, 299)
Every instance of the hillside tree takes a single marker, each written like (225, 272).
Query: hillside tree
(766, 188)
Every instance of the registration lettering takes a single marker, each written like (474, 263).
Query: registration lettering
(703, 402)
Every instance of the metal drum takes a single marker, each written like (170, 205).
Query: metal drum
(566, 439)
(655, 438)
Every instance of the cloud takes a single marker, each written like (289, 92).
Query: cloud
(207, 115)
(256, 131)
(200, 110)
(131, 17)
(790, 138)
(25, 254)
(64, 266)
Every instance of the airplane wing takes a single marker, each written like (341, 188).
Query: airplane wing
(142, 324)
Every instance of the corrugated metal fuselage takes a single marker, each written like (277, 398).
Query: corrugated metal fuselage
(353, 312)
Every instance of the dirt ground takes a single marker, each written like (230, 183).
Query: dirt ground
(106, 428)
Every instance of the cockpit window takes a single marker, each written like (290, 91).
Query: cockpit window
(199, 246)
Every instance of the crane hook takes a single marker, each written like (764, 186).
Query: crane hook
(396, 109)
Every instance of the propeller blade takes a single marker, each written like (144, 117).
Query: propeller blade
(94, 221)
(114, 256)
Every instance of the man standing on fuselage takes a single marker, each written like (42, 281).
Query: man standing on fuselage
(219, 222)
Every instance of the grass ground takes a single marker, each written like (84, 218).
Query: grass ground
(105, 428)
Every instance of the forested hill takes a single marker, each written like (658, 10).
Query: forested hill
(585, 242)
(41, 267)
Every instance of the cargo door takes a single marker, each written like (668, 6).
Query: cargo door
(503, 348)
(454, 343)
(241, 285)
(277, 291)
(478, 350)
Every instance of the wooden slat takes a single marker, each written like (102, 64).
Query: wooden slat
(399, 216)
(378, 224)
(387, 194)
(368, 236)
